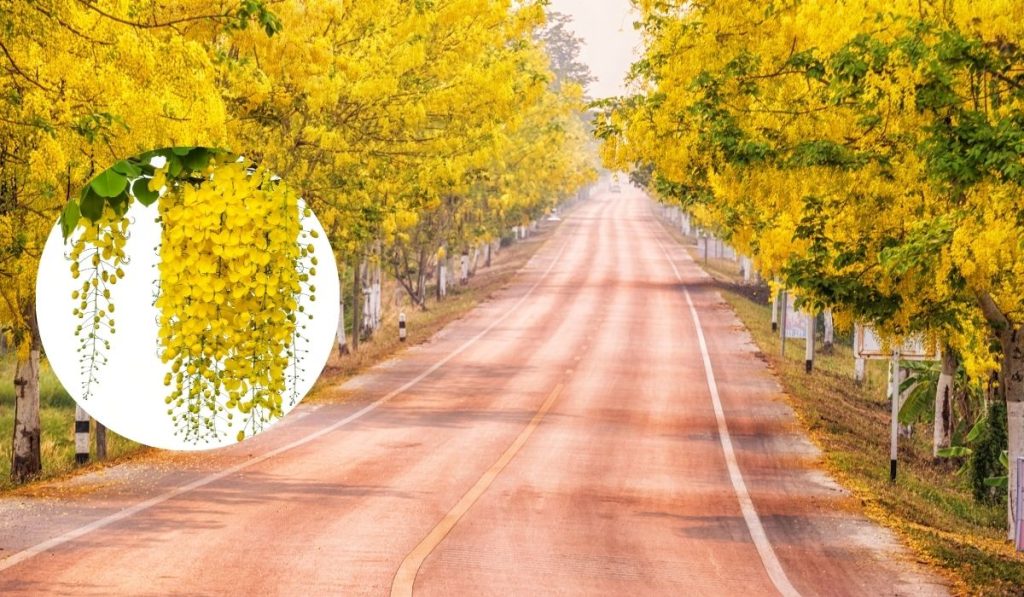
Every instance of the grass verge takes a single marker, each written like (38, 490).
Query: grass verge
(929, 507)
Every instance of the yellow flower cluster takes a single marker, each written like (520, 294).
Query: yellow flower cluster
(233, 261)
(96, 258)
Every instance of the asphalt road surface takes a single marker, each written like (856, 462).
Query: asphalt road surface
(603, 426)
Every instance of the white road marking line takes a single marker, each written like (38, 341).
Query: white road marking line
(750, 516)
(73, 534)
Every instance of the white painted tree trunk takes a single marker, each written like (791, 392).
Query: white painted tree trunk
(860, 367)
(829, 332)
(1015, 431)
(464, 269)
(942, 429)
(342, 339)
(26, 459)
(474, 261)
(378, 295)
(442, 279)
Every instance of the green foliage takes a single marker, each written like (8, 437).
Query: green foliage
(112, 186)
(987, 460)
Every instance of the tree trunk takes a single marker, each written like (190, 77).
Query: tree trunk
(487, 255)
(442, 278)
(342, 340)
(830, 333)
(421, 280)
(1011, 381)
(357, 302)
(943, 429)
(26, 459)
(101, 441)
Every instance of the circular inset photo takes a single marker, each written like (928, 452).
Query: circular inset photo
(187, 299)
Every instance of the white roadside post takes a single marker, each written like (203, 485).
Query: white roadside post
(81, 435)
(894, 428)
(809, 343)
(775, 311)
(402, 332)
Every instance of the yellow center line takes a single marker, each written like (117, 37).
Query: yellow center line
(406, 575)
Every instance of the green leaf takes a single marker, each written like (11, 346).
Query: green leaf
(1002, 481)
(69, 218)
(91, 204)
(120, 203)
(174, 164)
(109, 183)
(916, 405)
(977, 429)
(140, 190)
(955, 452)
(181, 151)
(197, 159)
(127, 168)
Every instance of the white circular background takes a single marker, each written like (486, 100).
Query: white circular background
(129, 398)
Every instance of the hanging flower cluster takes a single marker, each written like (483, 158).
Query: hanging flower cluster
(230, 287)
(96, 258)
(235, 269)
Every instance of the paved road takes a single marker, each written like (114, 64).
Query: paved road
(579, 434)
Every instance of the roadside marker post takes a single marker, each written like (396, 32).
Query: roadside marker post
(401, 327)
(809, 343)
(775, 311)
(894, 428)
(81, 435)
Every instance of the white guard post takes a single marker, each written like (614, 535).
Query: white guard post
(894, 427)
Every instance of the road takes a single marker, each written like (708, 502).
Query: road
(602, 426)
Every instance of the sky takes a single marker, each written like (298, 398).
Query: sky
(611, 43)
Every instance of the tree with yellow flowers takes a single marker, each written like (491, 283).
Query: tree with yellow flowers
(404, 128)
(867, 154)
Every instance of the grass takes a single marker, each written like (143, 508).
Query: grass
(929, 507)
(57, 409)
(57, 421)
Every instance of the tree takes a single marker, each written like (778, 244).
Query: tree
(867, 158)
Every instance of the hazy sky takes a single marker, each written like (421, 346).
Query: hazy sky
(611, 42)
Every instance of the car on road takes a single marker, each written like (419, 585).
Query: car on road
(616, 188)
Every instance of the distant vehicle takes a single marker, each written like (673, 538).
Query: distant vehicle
(554, 216)
(616, 188)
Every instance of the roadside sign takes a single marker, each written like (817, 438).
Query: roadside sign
(796, 322)
(867, 345)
